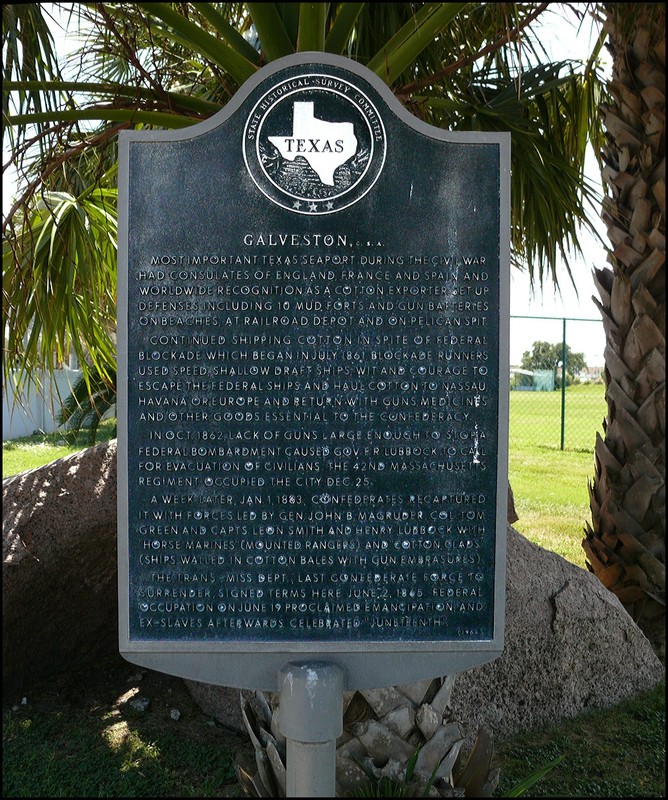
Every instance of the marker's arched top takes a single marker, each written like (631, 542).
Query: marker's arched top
(313, 62)
(314, 141)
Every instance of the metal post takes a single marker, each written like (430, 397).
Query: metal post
(311, 719)
(563, 384)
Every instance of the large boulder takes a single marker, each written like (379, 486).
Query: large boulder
(59, 571)
(570, 645)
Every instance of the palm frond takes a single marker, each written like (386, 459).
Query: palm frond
(543, 110)
(87, 404)
(28, 54)
(341, 27)
(59, 285)
(311, 27)
(412, 38)
(227, 58)
(228, 32)
(271, 30)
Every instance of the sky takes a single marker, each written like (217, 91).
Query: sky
(564, 39)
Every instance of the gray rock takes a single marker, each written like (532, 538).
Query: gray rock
(139, 703)
(570, 646)
(220, 702)
(59, 568)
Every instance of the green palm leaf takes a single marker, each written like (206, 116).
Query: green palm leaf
(113, 91)
(414, 37)
(28, 53)
(231, 35)
(271, 30)
(311, 27)
(59, 285)
(342, 27)
(87, 403)
(228, 58)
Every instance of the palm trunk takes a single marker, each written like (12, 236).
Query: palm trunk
(625, 544)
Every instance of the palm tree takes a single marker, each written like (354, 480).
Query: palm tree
(625, 544)
(462, 66)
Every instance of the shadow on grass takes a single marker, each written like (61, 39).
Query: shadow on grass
(87, 740)
(618, 752)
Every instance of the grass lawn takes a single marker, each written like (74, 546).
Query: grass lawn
(550, 484)
(551, 498)
(619, 752)
(30, 452)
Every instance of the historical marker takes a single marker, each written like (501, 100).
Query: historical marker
(313, 386)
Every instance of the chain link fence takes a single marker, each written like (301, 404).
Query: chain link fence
(557, 394)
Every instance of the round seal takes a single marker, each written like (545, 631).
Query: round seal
(314, 144)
